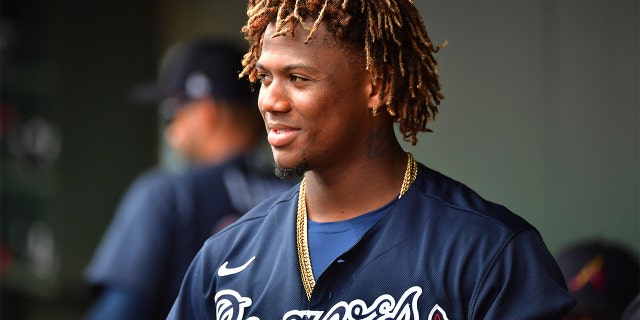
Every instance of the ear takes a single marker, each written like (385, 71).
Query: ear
(374, 87)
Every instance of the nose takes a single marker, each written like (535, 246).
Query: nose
(273, 98)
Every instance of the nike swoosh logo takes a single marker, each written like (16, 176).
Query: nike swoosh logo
(223, 271)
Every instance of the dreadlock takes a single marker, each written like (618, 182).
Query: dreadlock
(392, 35)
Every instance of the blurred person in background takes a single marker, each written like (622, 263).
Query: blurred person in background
(603, 276)
(165, 217)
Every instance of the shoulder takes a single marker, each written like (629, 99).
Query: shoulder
(458, 201)
(153, 175)
(150, 179)
(151, 186)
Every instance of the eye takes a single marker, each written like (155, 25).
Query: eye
(297, 78)
(263, 77)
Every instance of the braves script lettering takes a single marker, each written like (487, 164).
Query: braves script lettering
(230, 305)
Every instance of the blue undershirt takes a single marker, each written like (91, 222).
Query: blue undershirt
(329, 240)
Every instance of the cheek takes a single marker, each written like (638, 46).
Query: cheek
(354, 88)
(260, 98)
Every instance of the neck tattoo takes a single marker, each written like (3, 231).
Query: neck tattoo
(306, 272)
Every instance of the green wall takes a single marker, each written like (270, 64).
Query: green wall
(541, 111)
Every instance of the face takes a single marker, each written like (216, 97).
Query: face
(315, 99)
(184, 131)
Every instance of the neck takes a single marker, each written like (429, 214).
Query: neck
(363, 187)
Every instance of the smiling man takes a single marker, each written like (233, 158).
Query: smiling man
(369, 233)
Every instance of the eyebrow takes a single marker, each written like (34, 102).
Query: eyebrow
(290, 67)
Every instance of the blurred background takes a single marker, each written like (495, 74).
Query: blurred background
(541, 114)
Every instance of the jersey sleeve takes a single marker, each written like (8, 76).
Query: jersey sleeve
(115, 303)
(523, 282)
(191, 303)
(131, 253)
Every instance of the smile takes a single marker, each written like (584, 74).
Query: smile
(280, 137)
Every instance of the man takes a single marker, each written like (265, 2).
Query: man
(164, 219)
(369, 233)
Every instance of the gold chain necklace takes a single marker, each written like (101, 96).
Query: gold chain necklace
(306, 272)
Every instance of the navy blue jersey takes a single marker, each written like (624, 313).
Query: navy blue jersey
(164, 220)
(442, 252)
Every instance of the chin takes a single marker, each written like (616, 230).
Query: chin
(290, 165)
(287, 173)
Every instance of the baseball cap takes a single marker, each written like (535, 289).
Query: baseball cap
(632, 311)
(196, 69)
(602, 275)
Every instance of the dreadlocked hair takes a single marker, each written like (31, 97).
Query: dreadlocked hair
(392, 35)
